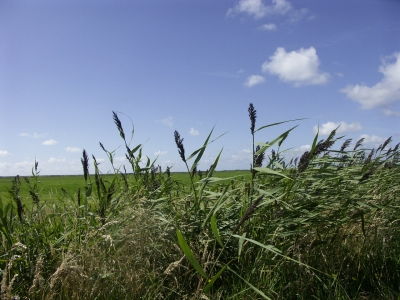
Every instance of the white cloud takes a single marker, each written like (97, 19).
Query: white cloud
(245, 151)
(326, 128)
(159, 152)
(258, 9)
(24, 164)
(304, 148)
(73, 149)
(299, 67)
(382, 94)
(49, 142)
(4, 153)
(34, 135)
(56, 160)
(269, 27)
(194, 132)
(253, 80)
(372, 140)
(390, 112)
(167, 121)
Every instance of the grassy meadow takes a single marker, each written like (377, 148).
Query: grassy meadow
(51, 187)
(324, 225)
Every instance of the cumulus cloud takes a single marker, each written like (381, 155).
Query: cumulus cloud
(254, 80)
(372, 140)
(159, 152)
(194, 132)
(326, 128)
(269, 27)
(4, 153)
(382, 94)
(257, 9)
(300, 67)
(49, 142)
(55, 160)
(73, 149)
(167, 121)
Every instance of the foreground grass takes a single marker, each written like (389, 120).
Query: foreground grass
(325, 227)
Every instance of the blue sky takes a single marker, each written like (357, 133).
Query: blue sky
(187, 66)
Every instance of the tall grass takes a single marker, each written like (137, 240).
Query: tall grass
(322, 226)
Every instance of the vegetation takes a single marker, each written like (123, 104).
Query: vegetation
(324, 226)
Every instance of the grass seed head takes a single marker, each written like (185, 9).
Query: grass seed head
(179, 144)
(253, 117)
(119, 125)
(345, 145)
(85, 164)
(359, 143)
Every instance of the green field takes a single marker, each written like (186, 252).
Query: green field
(50, 187)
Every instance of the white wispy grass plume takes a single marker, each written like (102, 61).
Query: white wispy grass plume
(73, 149)
(382, 94)
(194, 132)
(300, 67)
(254, 80)
(326, 128)
(49, 142)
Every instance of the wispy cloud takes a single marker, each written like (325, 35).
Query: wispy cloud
(49, 142)
(167, 121)
(55, 160)
(254, 80)
(34, 135)
(300, 67)
(326, 128)
(384, 93)
(4, 153)
(194, 132)
(159, 152)
(390, 112)
(73, 149)
(257, 9)
(268, 27)
(225, 74)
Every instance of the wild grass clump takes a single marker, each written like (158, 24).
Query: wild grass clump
(321, 226)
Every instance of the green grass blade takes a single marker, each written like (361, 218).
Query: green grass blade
(274, 124)
(241, 241)
(200, 152)
(280, 138)
(250, 285)
(214, 229)
(212, 280)
(189, 254)
(269, 171)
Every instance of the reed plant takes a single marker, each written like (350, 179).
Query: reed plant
(321, 226)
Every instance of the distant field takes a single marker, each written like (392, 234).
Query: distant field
(51, 185)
